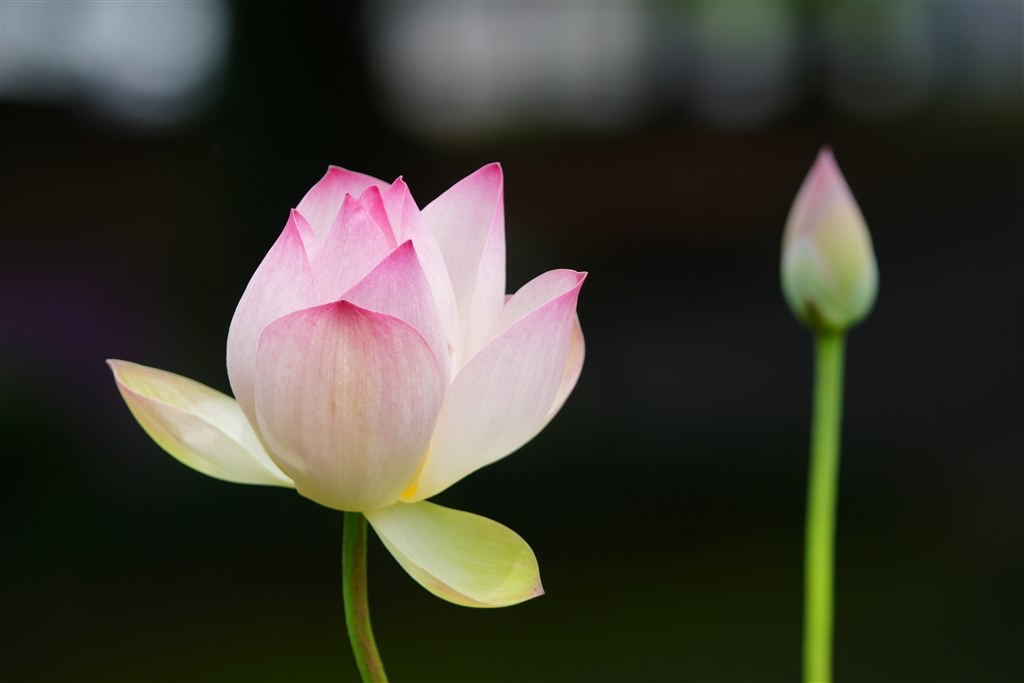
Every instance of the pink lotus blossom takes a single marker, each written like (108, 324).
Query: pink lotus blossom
(376, 360)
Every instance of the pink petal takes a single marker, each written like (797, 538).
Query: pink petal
(372, 201)
(503, 396)
(468, 222)
(309, 241)
(283, 283)
(398, 287)
(354, 245)
(532, 295)
(346, 400)
(321, 204)
(401, 207)
(403, 212)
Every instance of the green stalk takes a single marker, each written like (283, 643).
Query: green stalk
(356, 595)
(823, 479)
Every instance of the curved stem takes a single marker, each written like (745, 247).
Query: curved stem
(357, 606)
(823, 479)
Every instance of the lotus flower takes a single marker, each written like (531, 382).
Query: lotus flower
(375, 361)
(829, 273)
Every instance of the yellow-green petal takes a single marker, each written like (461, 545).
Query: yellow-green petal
(199, 426)
(458, 556)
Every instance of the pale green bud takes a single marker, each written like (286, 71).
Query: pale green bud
(829, 274)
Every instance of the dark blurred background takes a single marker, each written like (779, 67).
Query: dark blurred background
(151, 151)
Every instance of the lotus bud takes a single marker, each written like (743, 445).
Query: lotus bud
(829, 273)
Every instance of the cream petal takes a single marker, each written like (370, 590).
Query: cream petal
(460, 557)
(346, 401)
(199, 426)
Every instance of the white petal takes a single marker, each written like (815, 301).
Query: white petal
(468, 222)
(503, 396)
(573, 368)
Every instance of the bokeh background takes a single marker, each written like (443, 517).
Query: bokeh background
(150, 152)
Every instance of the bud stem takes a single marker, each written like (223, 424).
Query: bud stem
(356, 596)
(822, 487)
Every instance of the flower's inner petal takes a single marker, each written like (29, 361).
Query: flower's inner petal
(460, 557)
(503, 396)
(199, 426)
(373, 202)
(346, 400)
(309, 240)
(468, 222)
(282, 283)
(402, 210)
(352, 248)
(322, 203)
(401, 207)
(399, 287)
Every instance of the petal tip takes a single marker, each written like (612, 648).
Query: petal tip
(494, 170)
(826, 167)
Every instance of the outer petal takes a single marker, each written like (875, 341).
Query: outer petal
(463, 558)
(354, 245)
(199, 426)
(573, 368)
(346, 401)
(283, 283)
(398, 287)
(321, 204)
(534, 294)
(469, 223)
(503, 396)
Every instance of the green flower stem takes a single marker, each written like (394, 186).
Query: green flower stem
(356, 595)
(823, 479)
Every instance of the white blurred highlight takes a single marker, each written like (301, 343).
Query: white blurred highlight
(148, 63)
(474, 67)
